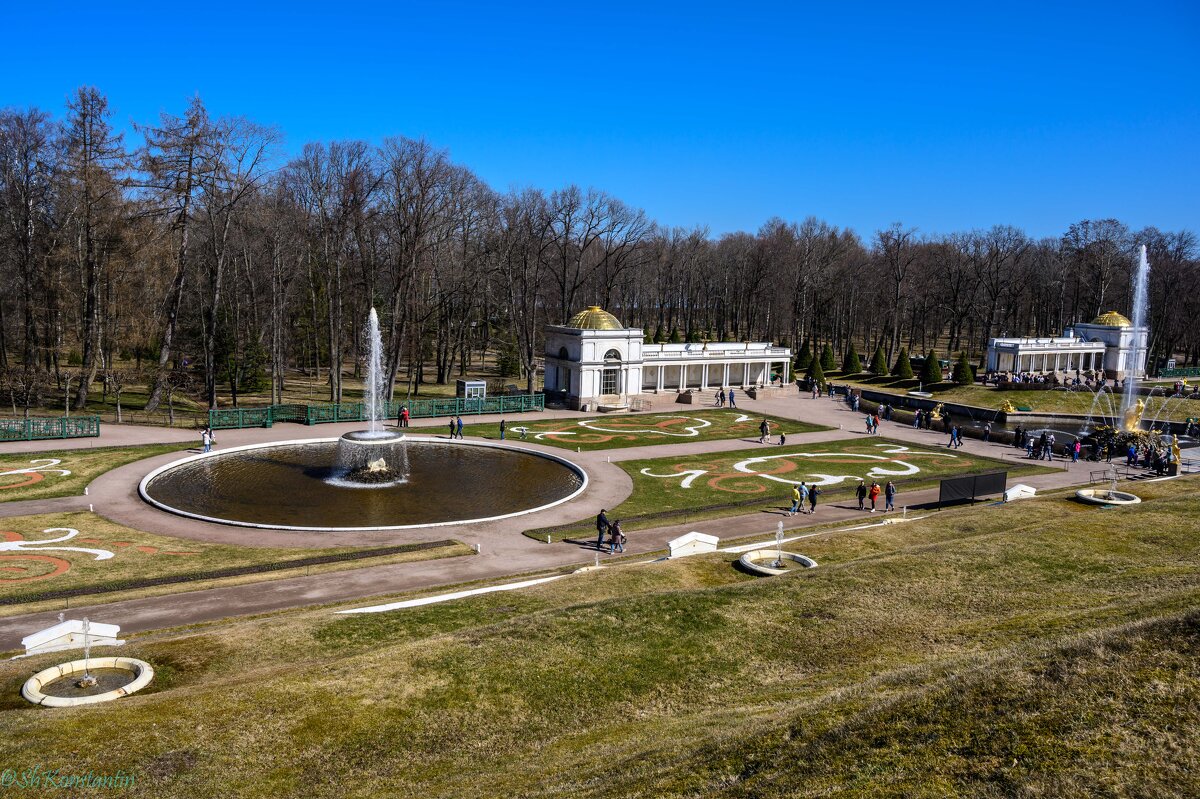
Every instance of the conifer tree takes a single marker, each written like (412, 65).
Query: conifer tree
(828, 361)
(931, 370)
(851, 364)
(903, 367)
(879, 366)
(963, 375)
(804, 358)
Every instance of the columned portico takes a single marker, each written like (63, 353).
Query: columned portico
(595, 361)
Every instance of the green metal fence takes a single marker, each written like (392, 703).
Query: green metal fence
(42, 428)
(234, 418)
(1184, 371)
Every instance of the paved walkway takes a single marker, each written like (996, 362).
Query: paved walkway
(504, 551)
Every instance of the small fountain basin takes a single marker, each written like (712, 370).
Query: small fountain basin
(1106, 496)
(139, 674)
(761, 562)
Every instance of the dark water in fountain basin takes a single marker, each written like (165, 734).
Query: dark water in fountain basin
(106, 680)
(296, 485)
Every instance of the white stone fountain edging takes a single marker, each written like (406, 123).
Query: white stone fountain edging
(583, 477)
(1104, 496)
(32, 689)
(754, 561)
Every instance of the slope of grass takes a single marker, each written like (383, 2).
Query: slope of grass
(1034, 649)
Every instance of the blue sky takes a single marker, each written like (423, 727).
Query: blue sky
(942, 116)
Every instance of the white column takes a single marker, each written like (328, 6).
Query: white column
(704, 376)
(660, 377)
(725, 375)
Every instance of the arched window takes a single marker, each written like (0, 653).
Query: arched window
(612, 355)
(562, 353)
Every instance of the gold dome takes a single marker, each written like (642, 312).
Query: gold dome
(1112, 319)
(595, 318)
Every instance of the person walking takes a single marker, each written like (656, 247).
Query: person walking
(860, 491)
(503, 425)
(889, 497)
(206, 439)
(873, 494)
(1076, 448)
(458, 427)
(917, 419)
(875, 423)
(987, 431)
(601, 528)
(403, 420)
(797, 500)
(616, 539)
(868, 421)
(782, 438)
(764, 431)
(813, 493)
(732, 401)
(451, 428)
(720, 398)
(1048, 449)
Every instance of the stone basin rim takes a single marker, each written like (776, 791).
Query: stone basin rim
(145, 482)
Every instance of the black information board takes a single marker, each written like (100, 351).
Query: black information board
(968, 489)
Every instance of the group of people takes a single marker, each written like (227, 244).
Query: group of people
(871, 494)
(609, 533)
(456, 426)
(804, 493)
(207, 439)
(723, 398)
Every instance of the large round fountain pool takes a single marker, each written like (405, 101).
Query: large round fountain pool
(296, 485)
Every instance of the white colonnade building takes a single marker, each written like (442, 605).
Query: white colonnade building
(594, 361)
(1108, 345)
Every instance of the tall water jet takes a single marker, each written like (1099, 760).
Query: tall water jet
(374, 397)
(372, 457)
(1131, 404)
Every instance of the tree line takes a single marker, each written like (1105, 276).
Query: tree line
(210, 261)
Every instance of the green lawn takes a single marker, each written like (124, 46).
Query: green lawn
(1052, 401)
(1040, 648)
(84, 465)
(30, 571)
(731, 483)
(624, 430)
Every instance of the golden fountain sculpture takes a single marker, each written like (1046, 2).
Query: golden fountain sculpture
(937, 413)
(1008, 407)
(1133, 416)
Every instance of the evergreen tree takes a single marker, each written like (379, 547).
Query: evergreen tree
(804, 358)
(851, 364)
(816, 373)
(675, 337)
(659, 336)
(903, 367)
(828, 361)
(931, 370)
(879, 366)
(963, 375)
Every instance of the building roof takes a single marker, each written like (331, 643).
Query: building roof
(595, 318)
(1112, 319)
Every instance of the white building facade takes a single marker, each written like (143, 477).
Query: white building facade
(595, 361)
(1109, 345)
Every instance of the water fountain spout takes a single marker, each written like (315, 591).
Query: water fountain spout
(1141, 292)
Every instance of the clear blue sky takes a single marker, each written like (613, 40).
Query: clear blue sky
(944, 117)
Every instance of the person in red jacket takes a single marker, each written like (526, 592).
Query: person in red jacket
(873, 494)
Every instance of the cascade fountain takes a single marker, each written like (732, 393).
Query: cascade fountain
(372, 457)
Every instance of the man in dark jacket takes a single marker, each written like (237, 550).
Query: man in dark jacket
(601, 528)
